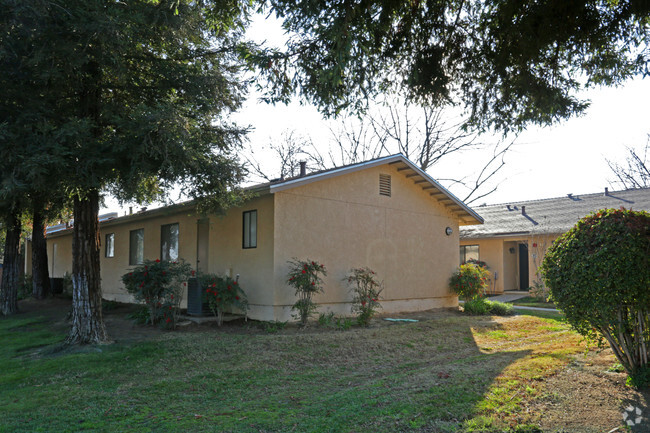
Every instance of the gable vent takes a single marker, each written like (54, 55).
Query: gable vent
(384, 184)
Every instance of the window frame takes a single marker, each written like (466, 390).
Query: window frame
(162, 234)
(109, 241)
(463, 253)
(133, 256)
(249, 240)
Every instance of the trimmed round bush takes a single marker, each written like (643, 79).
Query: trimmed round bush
(599, 276)
(469, 281)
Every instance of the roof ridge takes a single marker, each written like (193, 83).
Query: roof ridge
(526, 202)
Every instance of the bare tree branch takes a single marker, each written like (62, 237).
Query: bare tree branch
(635, 173)
(424, 134)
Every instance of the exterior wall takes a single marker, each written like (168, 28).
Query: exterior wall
(344, 223)
(112, 268)
(254, 265)
(59, 254)
(496, 253)
(226, 255)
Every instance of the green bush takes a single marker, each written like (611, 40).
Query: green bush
(159, 285)
(599, 276)
(306, 277)
(222, 294)
(476, 307)
(329, 320)
(365, 294)
(470, 281)
(497, 308)
(481, 307)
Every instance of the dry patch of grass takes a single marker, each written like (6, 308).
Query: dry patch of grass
(448, 372)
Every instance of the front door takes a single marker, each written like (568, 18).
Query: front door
(523, 267)
(202, 244)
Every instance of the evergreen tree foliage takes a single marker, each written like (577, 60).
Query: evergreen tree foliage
(511, 62)
(128, 97)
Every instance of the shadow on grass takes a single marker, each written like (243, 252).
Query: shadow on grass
(425, 376)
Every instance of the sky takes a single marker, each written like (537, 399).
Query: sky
(568, 157)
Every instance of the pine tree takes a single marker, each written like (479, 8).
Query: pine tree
(127, 97)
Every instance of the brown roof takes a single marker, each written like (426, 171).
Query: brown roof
(554, 215)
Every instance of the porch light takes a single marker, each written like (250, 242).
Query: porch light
(449, 231)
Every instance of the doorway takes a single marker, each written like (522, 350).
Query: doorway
(523, 267)
(202, 244)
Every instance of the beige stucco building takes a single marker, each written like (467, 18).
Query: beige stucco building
(385, 214)
(514, 237)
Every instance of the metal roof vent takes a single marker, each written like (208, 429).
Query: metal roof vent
(384, 185)
(303, 168)
(523, 210)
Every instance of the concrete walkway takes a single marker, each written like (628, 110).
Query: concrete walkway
(508, 296)
(513, 296)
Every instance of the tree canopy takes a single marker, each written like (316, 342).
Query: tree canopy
(510, 62)
(127, 97)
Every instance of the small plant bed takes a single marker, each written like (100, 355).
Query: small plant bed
(529, 301)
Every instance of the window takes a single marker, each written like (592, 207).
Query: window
(136, 247)
(250, 229)
(468, 252)
(169, 242)
(110, 245)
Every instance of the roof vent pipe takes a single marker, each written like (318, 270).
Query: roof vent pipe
(303, 168)
(606, 191)
(523, 210)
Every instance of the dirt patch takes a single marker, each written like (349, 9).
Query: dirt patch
(588, 393)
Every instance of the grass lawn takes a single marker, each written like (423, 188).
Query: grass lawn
(448, 372)
(529, 301)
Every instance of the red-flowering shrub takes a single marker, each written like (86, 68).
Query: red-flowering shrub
(365, 294)
(159, 285)
(306, 277)
(470, 281)
(222, 294)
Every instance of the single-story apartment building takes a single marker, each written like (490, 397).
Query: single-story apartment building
(515, 236)
(386, 214)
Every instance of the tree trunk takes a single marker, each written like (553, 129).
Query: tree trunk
(87, 321)
(40, 273)
(11, 266)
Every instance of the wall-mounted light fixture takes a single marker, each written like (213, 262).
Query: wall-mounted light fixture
(512, 250)
(449, 231)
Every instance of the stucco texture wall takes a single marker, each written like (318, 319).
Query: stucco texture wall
(502, 257)
(343, 222)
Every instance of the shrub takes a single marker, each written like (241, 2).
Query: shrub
(24, 287)
(159, 285)
(539, 291)
(469, 281)
(365, 294)
(306, 277)
(476, 307)
(497, 308)
(329, 320)
(222, 294)
(481, 307)
(599, 276)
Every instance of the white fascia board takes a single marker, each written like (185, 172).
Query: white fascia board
(364, 165)
(444, 190)
(305, 180)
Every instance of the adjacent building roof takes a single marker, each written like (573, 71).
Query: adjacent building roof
(554, 215)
